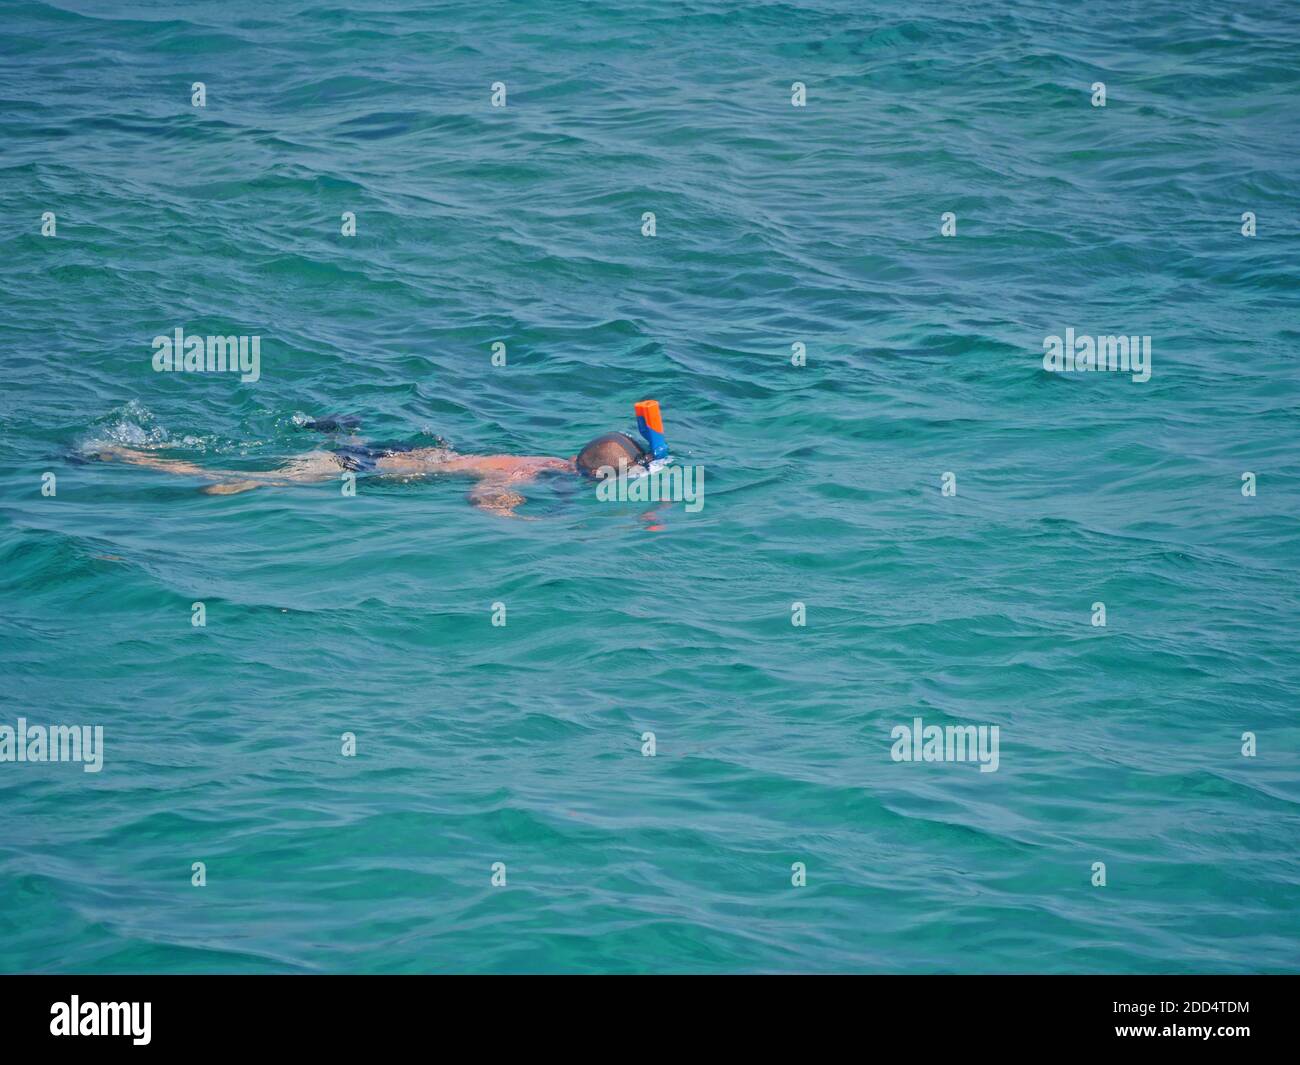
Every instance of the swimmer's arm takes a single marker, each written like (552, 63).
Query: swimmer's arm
(491, 467)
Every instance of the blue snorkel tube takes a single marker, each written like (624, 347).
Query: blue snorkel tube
(650, 424)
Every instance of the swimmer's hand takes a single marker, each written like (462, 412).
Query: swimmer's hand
(230, 488)
(497, 497)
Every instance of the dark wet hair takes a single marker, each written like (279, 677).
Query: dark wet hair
(607, 450)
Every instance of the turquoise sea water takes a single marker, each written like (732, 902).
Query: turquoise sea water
(775, 225)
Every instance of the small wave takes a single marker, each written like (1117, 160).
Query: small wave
(134, 425)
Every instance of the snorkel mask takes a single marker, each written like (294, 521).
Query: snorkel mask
(632, 459)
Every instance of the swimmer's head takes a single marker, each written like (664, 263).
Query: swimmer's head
(606, 452)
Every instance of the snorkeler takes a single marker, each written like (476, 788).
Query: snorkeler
(497, 477)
